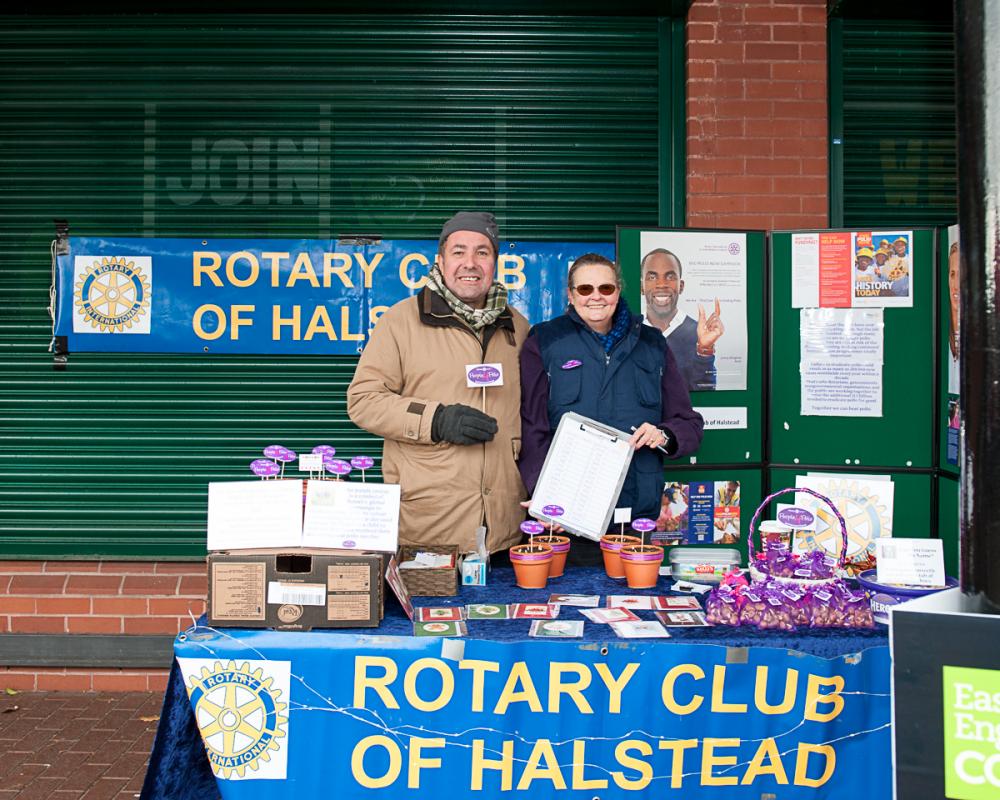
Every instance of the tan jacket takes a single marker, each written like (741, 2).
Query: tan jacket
(413, 363)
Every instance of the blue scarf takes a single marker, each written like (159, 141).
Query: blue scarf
(619, 327)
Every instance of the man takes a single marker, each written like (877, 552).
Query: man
(863, 273)
(899, 261)
(881, 257)
(692, 343)
(452, 452)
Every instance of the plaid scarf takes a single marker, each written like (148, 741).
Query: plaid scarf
(620, 326)
(475, 318)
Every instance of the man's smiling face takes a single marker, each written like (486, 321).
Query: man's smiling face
(467, 263)
(661, 285)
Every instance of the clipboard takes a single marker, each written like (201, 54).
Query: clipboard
(583, 473)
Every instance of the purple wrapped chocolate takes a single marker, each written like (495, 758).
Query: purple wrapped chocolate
(722, 606)
(753, 608)
(777, 615)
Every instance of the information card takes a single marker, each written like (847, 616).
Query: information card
(352, 516)
(910, 562)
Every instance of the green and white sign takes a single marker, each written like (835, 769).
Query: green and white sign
(971, 733)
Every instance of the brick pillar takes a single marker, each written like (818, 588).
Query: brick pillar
(757, 131)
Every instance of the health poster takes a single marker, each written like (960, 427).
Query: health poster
(700, 512)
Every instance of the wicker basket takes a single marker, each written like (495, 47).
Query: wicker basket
(441, 582)
(759, 576)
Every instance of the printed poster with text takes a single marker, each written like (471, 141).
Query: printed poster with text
(701, 512)
(694, 289)
(954, 421)
(852, 269)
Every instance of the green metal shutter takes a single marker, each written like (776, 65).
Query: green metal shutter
(270, 126)
(897, 79)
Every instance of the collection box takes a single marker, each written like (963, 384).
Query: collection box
(295, 589)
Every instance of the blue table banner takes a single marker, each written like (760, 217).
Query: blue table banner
(363, 715)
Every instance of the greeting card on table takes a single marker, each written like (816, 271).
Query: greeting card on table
(607, 615)
(486, 611)
(642, 629)
(534, 611)
(556, 629)
(451, 628)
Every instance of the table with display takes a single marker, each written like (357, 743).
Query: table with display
(709, 712)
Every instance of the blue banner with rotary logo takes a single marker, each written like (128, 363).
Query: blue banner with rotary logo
(356, 714)
(261, 296)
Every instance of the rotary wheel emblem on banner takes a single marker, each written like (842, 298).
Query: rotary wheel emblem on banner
(238, 713)
(113, 294)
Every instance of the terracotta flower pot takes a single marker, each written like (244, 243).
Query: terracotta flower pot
(611, 543)
(531, 564)
(642, 564)
(560, 549)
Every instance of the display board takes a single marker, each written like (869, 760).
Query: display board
(899, 436)
(702, 508)
(721, 276)
(947, 421)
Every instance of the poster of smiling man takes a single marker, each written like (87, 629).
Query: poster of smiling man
(694, 289)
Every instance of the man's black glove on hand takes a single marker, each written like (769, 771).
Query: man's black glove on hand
(460, 424)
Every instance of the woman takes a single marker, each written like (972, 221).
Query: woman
(601, 361)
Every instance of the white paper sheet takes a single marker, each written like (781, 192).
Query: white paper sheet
(910, 562)
(841, 334)
(583, 474)
(243, 514)
(352, 516)
(841, 390)
(723, 418)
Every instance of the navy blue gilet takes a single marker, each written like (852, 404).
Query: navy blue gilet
(621, 389)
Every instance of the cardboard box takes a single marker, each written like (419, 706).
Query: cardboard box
(295, 589)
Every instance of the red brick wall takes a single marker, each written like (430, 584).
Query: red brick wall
(757, 114)
(88, 597)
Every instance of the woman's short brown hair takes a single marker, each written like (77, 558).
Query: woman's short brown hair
(593, 258)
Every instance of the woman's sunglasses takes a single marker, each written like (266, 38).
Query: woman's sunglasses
(586, 289)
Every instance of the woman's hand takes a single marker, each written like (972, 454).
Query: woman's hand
(648, 435)
(556, 527)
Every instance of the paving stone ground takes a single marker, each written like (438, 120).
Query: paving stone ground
(75, 746)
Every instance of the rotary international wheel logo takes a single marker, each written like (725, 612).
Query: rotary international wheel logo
(112, 294)
(867, 518)
(241, 716)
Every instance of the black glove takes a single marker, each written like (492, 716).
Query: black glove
(460, 424)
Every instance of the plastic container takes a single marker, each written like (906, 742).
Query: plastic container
(702, 564)
(883, 595)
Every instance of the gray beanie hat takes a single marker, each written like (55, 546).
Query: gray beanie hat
(479, 221)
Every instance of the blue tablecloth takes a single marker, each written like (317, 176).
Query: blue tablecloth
(179, 768)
